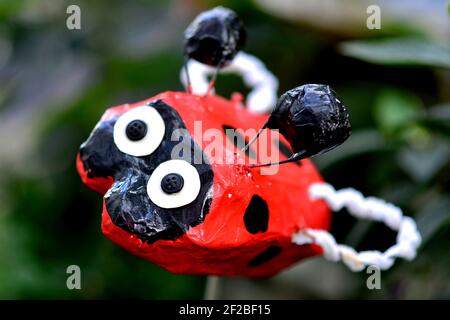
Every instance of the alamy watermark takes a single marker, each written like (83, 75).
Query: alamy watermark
(373, 281)
(225, 149)
(373, 21)
(73, 21)
(74, 279)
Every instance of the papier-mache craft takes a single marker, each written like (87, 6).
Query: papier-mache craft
(186, 188)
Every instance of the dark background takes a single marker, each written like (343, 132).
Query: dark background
(55, 84)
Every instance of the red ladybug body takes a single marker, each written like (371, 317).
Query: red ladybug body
(252, 216)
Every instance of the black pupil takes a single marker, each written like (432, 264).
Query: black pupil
(136, 130)
(172, 183)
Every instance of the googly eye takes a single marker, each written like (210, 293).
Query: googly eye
(139, 131)
(173, 184)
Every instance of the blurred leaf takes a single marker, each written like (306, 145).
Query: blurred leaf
(403, 51)
(422, 163)
(437, 119)
(434, 216)
(358, 232)
(395, 109)
(360, 142)
(438, 127)
(441, 112)
(9, 9)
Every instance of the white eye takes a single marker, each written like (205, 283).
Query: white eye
(173, 184)
(139, 131)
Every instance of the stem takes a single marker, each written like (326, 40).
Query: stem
(212, 290)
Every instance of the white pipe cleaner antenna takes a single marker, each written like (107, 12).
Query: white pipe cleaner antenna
(263, 96)
(408, 237)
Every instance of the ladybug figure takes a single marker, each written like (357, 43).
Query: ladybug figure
(167, 198)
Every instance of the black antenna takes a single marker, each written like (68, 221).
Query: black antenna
(311, 118)
(295, 157)
(214, 78)
(188, 78)
(255, 137)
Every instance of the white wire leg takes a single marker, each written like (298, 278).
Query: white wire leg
(408, 237)
(264, 85)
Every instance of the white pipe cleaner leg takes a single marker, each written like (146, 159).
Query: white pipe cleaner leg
(263, 96)
(408, 238)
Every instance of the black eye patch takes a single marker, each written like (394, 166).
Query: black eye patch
(127, 201)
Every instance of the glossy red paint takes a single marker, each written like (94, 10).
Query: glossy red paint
(221, 245)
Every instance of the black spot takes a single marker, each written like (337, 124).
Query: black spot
(268, 254)
(238, 140)
(286, 150)
(256, 217)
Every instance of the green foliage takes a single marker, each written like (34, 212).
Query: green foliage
(403, 51)
(395, 110)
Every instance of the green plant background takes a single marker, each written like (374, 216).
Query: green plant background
(55, 84)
